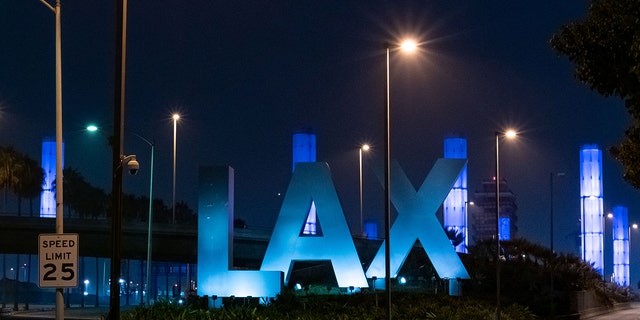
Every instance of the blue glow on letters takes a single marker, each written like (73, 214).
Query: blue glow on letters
(416, 220)
(215, 242)
(312, 182)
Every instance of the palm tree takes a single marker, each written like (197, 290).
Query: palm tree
(10, 165)
(19, 175)
(81, 197)
(455, 236)
(31, 178)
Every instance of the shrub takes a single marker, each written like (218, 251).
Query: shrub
(337, 307)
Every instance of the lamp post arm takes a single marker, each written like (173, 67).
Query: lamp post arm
(48, 6)
(151, 144)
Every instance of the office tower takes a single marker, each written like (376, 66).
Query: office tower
(483, 224)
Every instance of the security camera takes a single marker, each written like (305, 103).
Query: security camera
(133, 166)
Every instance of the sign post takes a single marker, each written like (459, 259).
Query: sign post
(58, 257)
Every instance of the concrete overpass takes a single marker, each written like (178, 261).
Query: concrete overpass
(171, 242)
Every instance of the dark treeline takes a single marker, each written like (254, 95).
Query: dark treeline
(23, 177)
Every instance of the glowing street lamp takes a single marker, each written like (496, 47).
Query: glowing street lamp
(509, 134)
(175, 118)
(365, 147)
(406, 46)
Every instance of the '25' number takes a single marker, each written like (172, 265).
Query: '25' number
(67, 270)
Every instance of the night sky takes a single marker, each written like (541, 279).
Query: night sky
(245, 75)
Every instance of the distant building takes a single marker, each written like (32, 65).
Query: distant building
(483, 216)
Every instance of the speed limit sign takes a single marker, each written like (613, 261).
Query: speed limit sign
(58, 257)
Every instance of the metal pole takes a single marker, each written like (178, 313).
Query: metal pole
(149, 234)
(59, 181)
(552, 263)
(118, 142)
(497, 225)
(551, 211)
(150, 224)
(175, 124)
(387, 191)
(466, 226)
(361, 222)
(604, 243)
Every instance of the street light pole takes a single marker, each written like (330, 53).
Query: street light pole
(149, 230)
(633, 226)
(59, 182)
(604, 241)
(407, 45)
(551, 216)
(175, 126)
(466, 225)
(364, 147)
(387, 191)
(117, 160)
(508, 134)
(551, 175)
(497, 134)
(121, 161)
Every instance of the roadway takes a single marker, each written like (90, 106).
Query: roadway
(631, 313)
